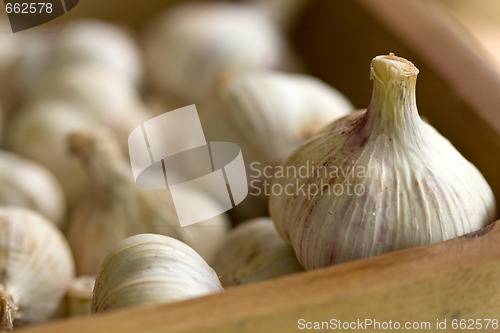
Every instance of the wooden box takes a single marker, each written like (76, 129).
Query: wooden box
(452, 286)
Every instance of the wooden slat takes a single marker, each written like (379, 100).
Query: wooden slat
(450, 280)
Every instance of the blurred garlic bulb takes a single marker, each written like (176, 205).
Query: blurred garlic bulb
(117, 208)
(30, 67)
(79, 295)
(378, 180)
(36, 266)
(269, 114)
(188, 46)
(39, 132)
(26, 183)
(108, 46)
(254, 252)
(104, 97)
(149, 269)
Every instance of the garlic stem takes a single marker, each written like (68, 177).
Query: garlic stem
(393, 104)
(102, 159)
(79, 295)
(7, 311)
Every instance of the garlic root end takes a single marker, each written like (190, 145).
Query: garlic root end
(7, 311)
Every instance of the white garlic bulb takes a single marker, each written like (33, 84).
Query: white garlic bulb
(72, 99)
(254, 252)
(188, 46)
(378, 180)
(104, 97)
(148, 269)
(117, 208)
(79, 295)
(36, 267)
(26, 183)
(105, 45)
(269, 114)
(39, 132)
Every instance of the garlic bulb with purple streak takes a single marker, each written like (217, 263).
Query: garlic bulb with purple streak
(378, 180)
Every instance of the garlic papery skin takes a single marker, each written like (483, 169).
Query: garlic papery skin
(254, 252)
(149, 269)
(378, 180)
(269, 113)
(101, 44)
(79, 295)
(36, 265)
(188, 46)
(39, 132)
(26, 183)
(116, 208)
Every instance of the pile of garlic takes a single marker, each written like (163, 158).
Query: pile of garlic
(116, 208)
(187, 47)
(69, 205)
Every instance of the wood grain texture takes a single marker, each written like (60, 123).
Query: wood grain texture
(450, 280)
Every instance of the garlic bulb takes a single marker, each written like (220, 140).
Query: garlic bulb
(107, 46)
(117, 208)
(104, 97)
(148, 269)
(377, 180)
(36, 266)
(39, 132)
(72, 99)
(254, 252)
(188, 46)
(269, 114)
(79, 295)
(28, 184)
